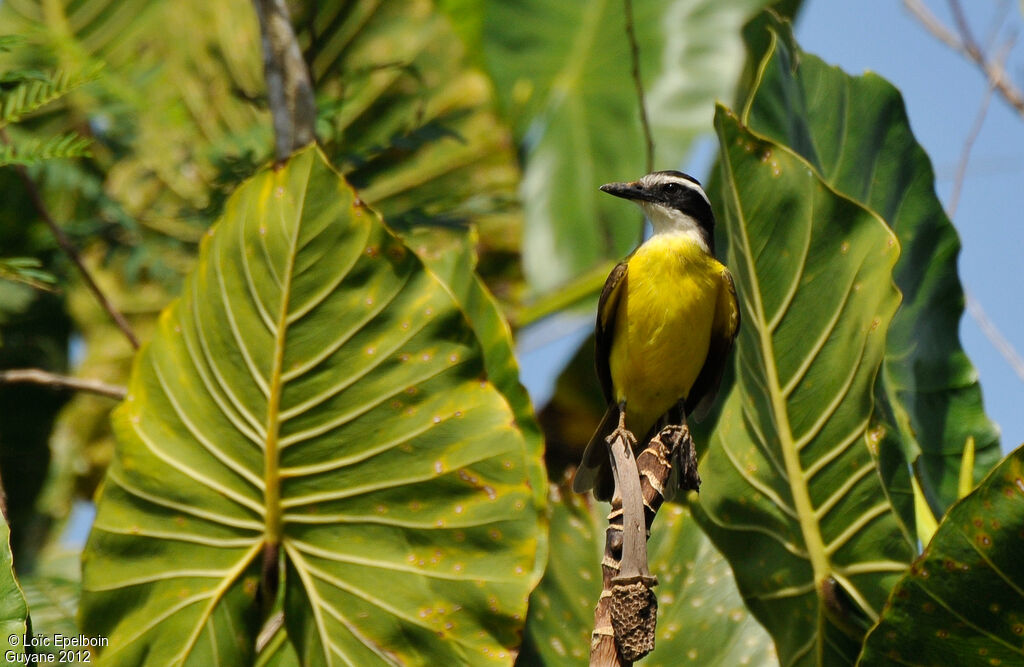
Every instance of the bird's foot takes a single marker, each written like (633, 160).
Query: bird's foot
(683, 456)
(621, 432)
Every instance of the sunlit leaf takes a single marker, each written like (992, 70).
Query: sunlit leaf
(855, 134)
(792, 495)
(314, 388)
(962, 602)
(451, 257)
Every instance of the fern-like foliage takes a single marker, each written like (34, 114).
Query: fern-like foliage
(35, 93)
(9, 42)
(25, 91)
(31, 151)
(27, 270)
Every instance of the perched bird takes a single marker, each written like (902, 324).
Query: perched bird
(666, 320)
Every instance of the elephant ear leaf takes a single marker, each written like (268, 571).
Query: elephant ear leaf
(854, 132)
(792, 496)
(964, 596)
(13, 610)
(314, 403)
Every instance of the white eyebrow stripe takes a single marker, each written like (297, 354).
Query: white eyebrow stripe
(658, 179)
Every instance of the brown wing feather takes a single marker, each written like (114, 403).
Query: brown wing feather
(607, 309)
(726, 326)
(594, 471)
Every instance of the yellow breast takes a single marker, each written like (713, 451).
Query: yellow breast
(663, 326)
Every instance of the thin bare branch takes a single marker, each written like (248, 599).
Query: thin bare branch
(964, 28)
(992, 332)
(966, 45)
(974, 308)
(965, 153)
(69, 249)
(972, 135)
(39, 376)
(933, 25)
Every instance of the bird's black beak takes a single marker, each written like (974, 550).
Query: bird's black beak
(633, 191)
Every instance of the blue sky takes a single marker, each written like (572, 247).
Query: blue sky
(943, 93)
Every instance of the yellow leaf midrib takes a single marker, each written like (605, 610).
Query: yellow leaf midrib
(809, 527)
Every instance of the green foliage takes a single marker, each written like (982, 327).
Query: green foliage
(53, 600)
(26, 91)
(26, 270)
(855, 134)
(33, 330)
(315, 388)
(346, 392)
(35, 91)
(13, 610)
(402, 115)
(964, 596)
(32, 151)
(412, 125)
(451, 258)
(791, 493)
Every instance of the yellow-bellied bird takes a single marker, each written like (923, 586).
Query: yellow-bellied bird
(666, 320)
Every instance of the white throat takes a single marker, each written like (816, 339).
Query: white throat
(672, 221)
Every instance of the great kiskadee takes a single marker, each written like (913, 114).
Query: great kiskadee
(666, 320)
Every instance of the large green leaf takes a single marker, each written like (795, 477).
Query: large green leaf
(855, 134)
(412, 126)
(563, 73)
(451, 257)
(13, 610)
(962, 602)
(315, 388)
(701, 617)
(792, 495)
(407, 120)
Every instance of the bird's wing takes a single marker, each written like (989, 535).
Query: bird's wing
(607, 308)
(723, 332)
(594, 471)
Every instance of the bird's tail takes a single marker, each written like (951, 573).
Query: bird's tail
(595, 471)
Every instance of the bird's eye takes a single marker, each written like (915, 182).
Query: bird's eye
(671, 188)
